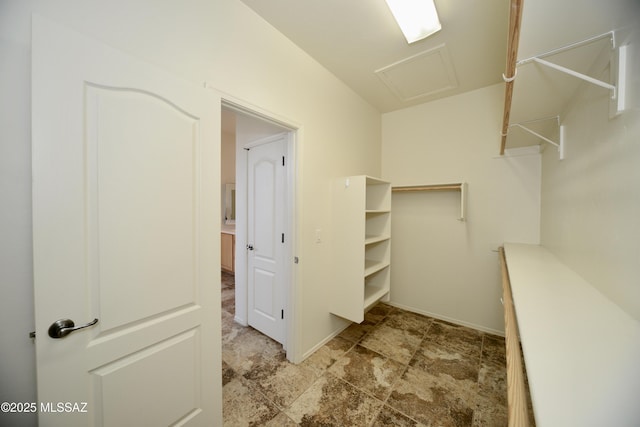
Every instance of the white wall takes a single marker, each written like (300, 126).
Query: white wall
(221, 42)
(591, 199)
(440, 266)
(17, 351)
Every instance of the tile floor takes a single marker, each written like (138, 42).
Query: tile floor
(397, 368)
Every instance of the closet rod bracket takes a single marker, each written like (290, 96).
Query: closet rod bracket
(573, 73)
(614, 88)
(559, 145)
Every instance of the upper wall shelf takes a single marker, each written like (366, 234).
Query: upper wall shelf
(461, 187)
(540, 87)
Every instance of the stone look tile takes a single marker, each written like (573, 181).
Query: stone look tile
(438, 360)
(229, 327)
(327, 355)
(434, 400)
(282, 382)
(389, 417)
(357, 331)
(415, 323)
(398, 335)
(228, 293)
(282, 420)
(333, 402)
(243, 348)
(368, 371)
(243, 405)
(227, 280)
(407, 370)
(228, 300)
(394, 343)
(457, 338)
(378, 312)
(488, 414)
(227, 373)
(494, 350)
(492, 383)
(491, 407)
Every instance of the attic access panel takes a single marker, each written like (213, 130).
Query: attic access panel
(420, 75)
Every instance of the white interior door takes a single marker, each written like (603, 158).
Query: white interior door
(125, 201)
(266, 236)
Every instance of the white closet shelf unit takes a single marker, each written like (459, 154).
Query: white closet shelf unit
(362, 223)
(460, 186)
(615, 57)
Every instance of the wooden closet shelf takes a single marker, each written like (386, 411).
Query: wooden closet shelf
(436, 187)
(460, 186)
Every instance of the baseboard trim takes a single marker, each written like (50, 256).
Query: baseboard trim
(447, 319)
(323, 342)
(480, 328)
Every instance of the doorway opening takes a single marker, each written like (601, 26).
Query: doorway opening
(263, 295)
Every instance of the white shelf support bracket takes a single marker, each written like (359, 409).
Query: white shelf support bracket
(463, 202)
(559, 145)
(620, 75)
(618, 65)
(573, 73)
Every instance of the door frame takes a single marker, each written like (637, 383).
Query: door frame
(291, 292)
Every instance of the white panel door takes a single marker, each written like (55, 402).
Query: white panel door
(265, 237)
(125, 208)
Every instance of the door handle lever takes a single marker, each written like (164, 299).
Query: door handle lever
(250, 247)
(63, 327)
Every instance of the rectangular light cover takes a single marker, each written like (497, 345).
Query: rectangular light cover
(417, 18)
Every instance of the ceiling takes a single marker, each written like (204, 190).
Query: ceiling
(360, 43)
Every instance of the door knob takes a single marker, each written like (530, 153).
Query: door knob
(250, 247)
(63, 327)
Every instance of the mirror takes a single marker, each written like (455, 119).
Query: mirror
(230, 204)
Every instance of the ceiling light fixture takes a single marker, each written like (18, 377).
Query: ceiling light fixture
(417, 18)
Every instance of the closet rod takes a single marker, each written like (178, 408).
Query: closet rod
(515, 18)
